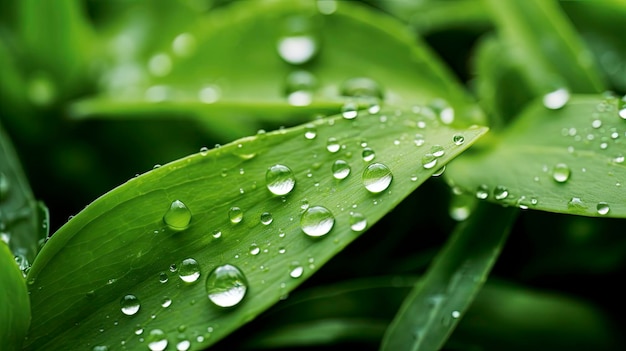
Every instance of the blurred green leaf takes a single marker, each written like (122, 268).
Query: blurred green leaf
(432, 310)
(548, 50)
(14, 303)
(229, 65)
(120, 244)
(568, 161)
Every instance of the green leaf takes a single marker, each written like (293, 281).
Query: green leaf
(120, 245)
(432, 310)
(218, 78)
(23, 221)
(548, 49)
(14, 303)
(568, 161)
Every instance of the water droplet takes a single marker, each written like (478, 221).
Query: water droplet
(166, 302)
(332, 145)
(209, 94)
(138, 329)
(561, 173)
(576, 202)
(419, 140)
(177, 216)
(327, 7)
(41, 89)
(458, 139)
(235, 214)
(184, 45)
(163, 278)
(280, 179)
(602, 208)
(456, 314)
(204, 151)
(500, 192)
(482, 192)
(299, 87)
(254, 249)
(341, 169)
(310, 132)
(157, 340)
(437, 150)
(4, 186)
(439, 172)
(266, 218)
(295, 269)
(377, 177)
(556, 99)
(358, 222)
(183, 345)
(622, 108)
(189, 270)
(100, 348)
(297, 49)
(429, 161)
(226, 286)
(361, 87)
(130, 305)
(596, 123)
(160, 65)
(368, 154)
(317, 221)
(349, 110)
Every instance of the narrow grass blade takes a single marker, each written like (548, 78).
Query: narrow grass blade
(14, 302)
(567, 161)
(348, 173)
(432, 310)
(550, 53)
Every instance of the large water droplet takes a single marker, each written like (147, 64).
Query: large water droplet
(235, 214)
(189, 270)
(377, 177)
(361, 87)
(556, 99)
(358, 222)
(226, 286)
(280, 180)
(177, 216)
(130, 305)
(603, 208)
(341, 169)
(157, 340)
(299, 87)
(561, 173)
(317, 221)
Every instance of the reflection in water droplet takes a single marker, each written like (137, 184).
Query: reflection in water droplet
(254, 249)
(377, 177)
(482, 192)
(177, 216)
(332, 145)
(556, 99)
(295, 269)
(458, 139)
(166, 302)
(183, 345)
(163, 278)
(429, 161)
(561, 173)
(189, 270)
(217, 234)
(235, 214)
(500, 192)
(130, 305)
(266, 218)
(310, 132)
(226, 286)
(602, 208)
(341, 169)
(358, 222)
(157, 340)
(317, 221)
(437, 150)
(280, 180)
(349, 110)
(368, 154)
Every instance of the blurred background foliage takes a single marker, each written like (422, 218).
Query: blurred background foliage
(56, 54)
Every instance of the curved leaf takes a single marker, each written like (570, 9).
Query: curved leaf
(14, 303)
(120, 245)
(568, 161)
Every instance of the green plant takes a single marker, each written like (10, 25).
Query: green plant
(362, 115)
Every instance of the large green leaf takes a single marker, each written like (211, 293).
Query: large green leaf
(14, 303)
(568, 161)
(432, 310)
(120, 244)
(233, 67)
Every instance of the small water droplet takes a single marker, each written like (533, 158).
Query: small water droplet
(576, 202)
(100, 348)
(177, 216)
(254, 249)
(622, 108)
(204, 151)
(299, 87)
(596, 123)
(456, 314)
(157, 340)
(361, 87)
(341, 169)
(189, 270)
(235, 214)
(332, 145)
(368, 154)
(217, 234)
(266, 218)
(163, 278)
(166, 302)
(556, 99)
(349, 110)
(561, 173)
(280, 179)
(458, 139)
(183, 345)
(310, 132)
(429, 161)
(358, 222)
(226, 286)
(297, 49)
(130, 304)
(419, 140)
(500, 192)
(317, 221)
(602, 208)
(437, 150)
(482, 192)
(377, 177)
(439, 172)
